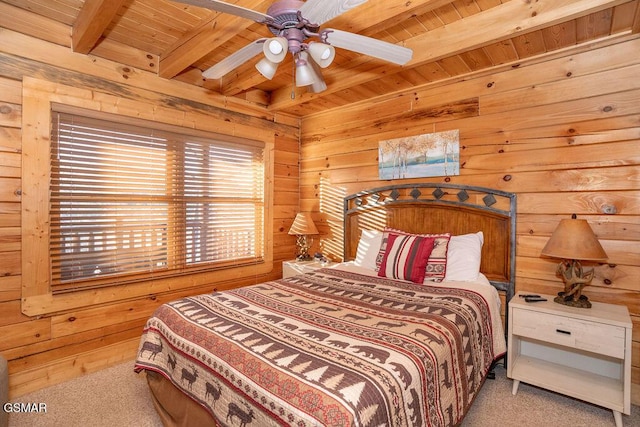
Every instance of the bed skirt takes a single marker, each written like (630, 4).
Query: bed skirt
(174, 407)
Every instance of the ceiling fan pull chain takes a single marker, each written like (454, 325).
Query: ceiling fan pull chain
(293, 80)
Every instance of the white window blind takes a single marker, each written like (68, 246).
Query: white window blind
(130, 202)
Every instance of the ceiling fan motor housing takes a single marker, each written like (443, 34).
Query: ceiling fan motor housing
(286, 23)
(284, 14)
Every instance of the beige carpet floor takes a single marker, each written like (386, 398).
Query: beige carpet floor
(117, 397)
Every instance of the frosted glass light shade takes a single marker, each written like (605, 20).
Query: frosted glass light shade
(304, 77)
(275, 49)
(317, 87)
(323, 54)
(305, 74)
(267, 68)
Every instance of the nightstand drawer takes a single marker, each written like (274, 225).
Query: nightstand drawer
(595, 337)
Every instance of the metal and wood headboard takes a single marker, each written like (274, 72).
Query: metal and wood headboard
(439, 208)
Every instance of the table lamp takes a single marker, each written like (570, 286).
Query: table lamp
(574, 241)
(302, 227)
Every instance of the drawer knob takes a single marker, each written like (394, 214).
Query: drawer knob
(563, 332)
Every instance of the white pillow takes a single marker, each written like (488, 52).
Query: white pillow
(463, 257)
(368, 248)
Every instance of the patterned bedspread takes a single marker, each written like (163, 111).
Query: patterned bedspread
(329, 348)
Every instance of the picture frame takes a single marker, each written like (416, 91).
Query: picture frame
(426, 155)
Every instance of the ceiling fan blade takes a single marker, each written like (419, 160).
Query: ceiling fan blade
(220, 6)
(320, 11)
(234, 60)
(369, 46)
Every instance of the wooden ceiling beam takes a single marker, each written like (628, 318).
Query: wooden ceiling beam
(635, 26)
(367, 19)
(93, 19)
(375, 17)
(491, 26)
(208, 36)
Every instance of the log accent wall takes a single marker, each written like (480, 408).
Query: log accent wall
(48, 349)
(561, 131)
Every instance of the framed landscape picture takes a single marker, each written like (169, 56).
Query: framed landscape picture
(431, 154)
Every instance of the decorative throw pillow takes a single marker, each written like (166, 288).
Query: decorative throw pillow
(368, 247)
(436, 265)
(406, 257)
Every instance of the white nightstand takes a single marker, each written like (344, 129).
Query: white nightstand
(291, 268)
(580, 352)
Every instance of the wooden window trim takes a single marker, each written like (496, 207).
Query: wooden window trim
(39, 98)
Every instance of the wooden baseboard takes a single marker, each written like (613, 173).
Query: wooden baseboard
(65, 369)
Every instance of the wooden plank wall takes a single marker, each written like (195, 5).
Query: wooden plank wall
(46, 350)
(563, 132)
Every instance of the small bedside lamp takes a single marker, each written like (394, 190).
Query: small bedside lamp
(574, 241)
(302, 227)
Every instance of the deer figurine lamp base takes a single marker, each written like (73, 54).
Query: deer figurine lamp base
(575, 278)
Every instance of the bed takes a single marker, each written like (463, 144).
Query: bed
(403, 333)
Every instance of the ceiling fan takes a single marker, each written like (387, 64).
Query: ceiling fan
(295, 24)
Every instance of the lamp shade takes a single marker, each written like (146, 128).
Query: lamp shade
(305, 73)
(267, 68)
(574, 239)
(319, 85)
(275, 49)
(303, 225)
(323, 54)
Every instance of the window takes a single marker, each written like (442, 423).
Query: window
(129, 202)
(172, 219)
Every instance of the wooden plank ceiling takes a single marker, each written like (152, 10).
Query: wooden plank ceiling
(449, 39)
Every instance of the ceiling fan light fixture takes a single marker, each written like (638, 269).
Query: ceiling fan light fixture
(275, 49)
(267, 68)
(317, 87)
(305, 74)
(322, 53)
(292, 22)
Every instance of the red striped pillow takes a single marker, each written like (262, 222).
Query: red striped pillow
(406, 257)
(437, 263)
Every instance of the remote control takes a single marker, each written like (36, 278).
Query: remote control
(534, 299)
(529, 296)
